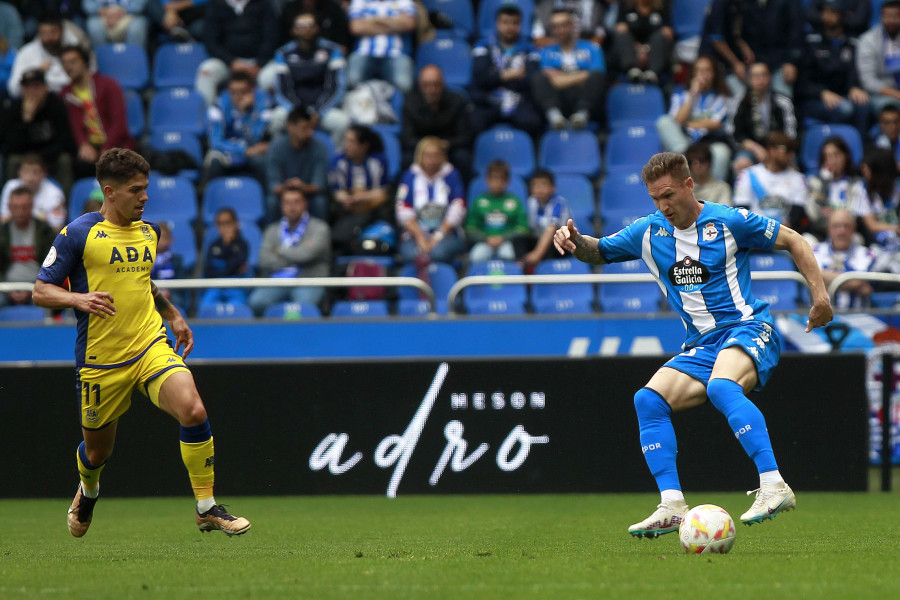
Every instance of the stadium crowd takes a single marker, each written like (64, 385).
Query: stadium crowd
(437, 138)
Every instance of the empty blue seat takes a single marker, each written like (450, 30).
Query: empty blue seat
(178, 109)
(170, 198)
(780, 294)
(126, 63)
(504, 143)
(634, 102)
(616, 219)
(453, 56)
(579, 194)
(250, 231)
(441, 277)
(24, 313)
(360, 308)
(391, 143)
(134, 110)
(184, 242)
(292, 311)
(496, 298)
(460, 12)
(413, 307)
(224, 310)
(487, 15)
(629, 297)
(166, 141)
(631, 144)
(243, 194)
(771, 261)
(478, 186)
(816, 135)
(562, 297)
(570, 152)
(175, 65)
(688, 17)
(623, 190)
(79, 194)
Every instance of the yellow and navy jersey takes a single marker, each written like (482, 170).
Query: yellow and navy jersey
(95, 255)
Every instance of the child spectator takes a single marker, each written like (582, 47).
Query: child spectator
(547, 212)
(49, 202)
(495, 218)
(227, 256)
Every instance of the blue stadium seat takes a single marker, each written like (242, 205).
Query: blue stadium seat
(175, 65)
(292, 311)
(688, 17)
(325, 139)
(487, 15)
(134, 110)
(170, 198)
(780, 294)
(634, 102)
(631, 144)
(441, 278)
(79, 194)
(23, 313)
(771, 261)
(570, 152)
(623, 190)
(184, 242)
(413, 307)
(875, 15)
(562, 297)
(243, 194)
(166, 141)
(460, 12)
(391, 143)
(506, 143)
(251, 233)
(816, 135)
(616, 219)
(629, 297)
(478, 185)
(495, 298)
(360, 308)
(579, 194)
(224, 310)
(126, 63)
(453, 56)
(178, 109)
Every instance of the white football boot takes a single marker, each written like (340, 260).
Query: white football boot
(770, 500)
(666, 519)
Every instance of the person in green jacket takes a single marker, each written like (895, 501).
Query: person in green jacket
(496, 218)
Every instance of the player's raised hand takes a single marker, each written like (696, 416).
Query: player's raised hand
(563, 239)
(184, 337)
(819, 316)
(96, 303)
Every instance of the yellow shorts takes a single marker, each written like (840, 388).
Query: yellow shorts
(105, 394)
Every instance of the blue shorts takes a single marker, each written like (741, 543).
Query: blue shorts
(759, 340)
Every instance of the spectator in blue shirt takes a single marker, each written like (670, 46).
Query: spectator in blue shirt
(502, 67)
(227, 256)
(359, 185)
(311, 73)
(7, 57)
(239, 130)
(572, 76)
(381, 53)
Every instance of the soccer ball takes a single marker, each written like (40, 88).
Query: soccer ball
(707, 529)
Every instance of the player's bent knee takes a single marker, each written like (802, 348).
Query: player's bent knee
(649, 402)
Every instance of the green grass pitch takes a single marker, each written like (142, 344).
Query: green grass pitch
(507, 547)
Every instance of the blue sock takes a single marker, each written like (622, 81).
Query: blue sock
(657, 437)
(746, 420)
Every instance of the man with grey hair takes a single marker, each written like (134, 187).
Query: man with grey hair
(699, 253)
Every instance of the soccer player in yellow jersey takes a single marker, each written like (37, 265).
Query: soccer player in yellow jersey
(100, 265)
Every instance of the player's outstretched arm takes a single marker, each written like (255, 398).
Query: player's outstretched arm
(821, 312)
(584, 247)
(48, 295)
(184, 337)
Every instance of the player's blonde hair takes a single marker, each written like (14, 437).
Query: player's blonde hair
(666, 163)
(118, 165)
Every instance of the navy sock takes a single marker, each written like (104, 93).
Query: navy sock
(657, 437)
(746, 420)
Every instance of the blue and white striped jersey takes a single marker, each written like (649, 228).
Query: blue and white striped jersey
(704, 270)
(387, 44)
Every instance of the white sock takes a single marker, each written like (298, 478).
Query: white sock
(205, 504)
(770, 478)
(90, 492)
(669, 496)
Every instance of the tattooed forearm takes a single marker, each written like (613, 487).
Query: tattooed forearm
(163, 306)
(587, 250)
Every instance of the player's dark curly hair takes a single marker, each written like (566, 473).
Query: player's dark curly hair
(118, 165)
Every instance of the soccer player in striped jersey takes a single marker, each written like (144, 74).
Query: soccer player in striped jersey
(698, 253)
(100, 265)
